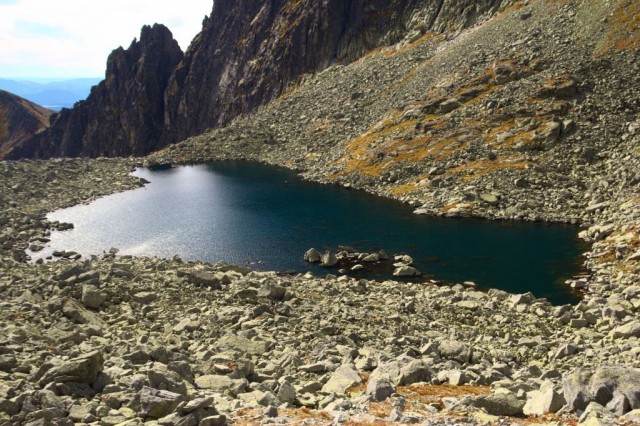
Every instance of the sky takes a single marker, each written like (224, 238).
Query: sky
(60, 39)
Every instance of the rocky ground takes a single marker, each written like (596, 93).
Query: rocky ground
(121, 340)
(539, 121)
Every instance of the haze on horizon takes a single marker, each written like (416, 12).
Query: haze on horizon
(67, 39)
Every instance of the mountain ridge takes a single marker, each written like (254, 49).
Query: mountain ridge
(20, 119)
(123, 114)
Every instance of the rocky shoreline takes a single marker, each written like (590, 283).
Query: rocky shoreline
(121, 340)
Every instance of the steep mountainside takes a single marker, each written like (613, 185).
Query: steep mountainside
(19, 120)
(247, 54)
(123, 115)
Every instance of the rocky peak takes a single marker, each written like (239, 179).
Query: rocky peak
(123, 115)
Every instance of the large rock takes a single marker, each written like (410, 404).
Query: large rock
(543, 401)
(272, 291)
(402, 372)
(406, 271)
(221, 384)
(158, 403)
(161, 378)
(630, 329)
(329, 259)
(499, 404)
(380, 388)
(345, 377)
(242, 345)
(287, 393)
(144, 297)
(616, 388)
(92, 297)
(8, 362)
(312, 255)
(596, 415)
(83, 369)
(454, 350)
(205, 278)
(186, 324)
(73, 310)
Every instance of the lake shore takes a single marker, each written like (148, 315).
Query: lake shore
(185, 342)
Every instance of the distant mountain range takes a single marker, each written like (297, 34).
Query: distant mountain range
(53, 95)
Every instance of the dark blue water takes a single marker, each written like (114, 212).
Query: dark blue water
(247, 213)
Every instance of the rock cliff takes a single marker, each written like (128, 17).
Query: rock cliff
(247, 54)
(19, 120)
(123, 115)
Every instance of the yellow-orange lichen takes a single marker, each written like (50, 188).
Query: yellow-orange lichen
(624, 28)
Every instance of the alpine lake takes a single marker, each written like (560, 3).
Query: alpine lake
(266, 218)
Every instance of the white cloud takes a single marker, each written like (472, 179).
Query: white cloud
(72, 38)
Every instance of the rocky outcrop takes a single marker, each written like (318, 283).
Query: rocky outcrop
(20, 119)
(123, 115)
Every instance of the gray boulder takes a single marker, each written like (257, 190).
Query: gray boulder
(454, 350)
(630, 329)
(543, 401)
(161, 378)
(91, 297)
(616, 388)
(596, 414)
(258, 397)
(402, 372)
(205, 279)
(499, 404)
(415, 371)
(8, 362)
(158, 403)
(380, 388)
(271, 290)
(406, 271)
(287, 393)
(83, 369)
(312, 255)
(197, 404)
(81, 315)
(242, 345)
(345, 377)
(329, 259)
(144, 297)
(221, 384)
(217, 420)
(187, 324)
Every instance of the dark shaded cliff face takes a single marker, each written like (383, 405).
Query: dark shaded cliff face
(247, 54)
(250, 51)
(19, 120)
(123, 115)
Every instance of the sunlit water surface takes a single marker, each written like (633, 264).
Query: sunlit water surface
(266, 217)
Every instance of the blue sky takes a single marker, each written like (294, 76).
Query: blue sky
(72, 38)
